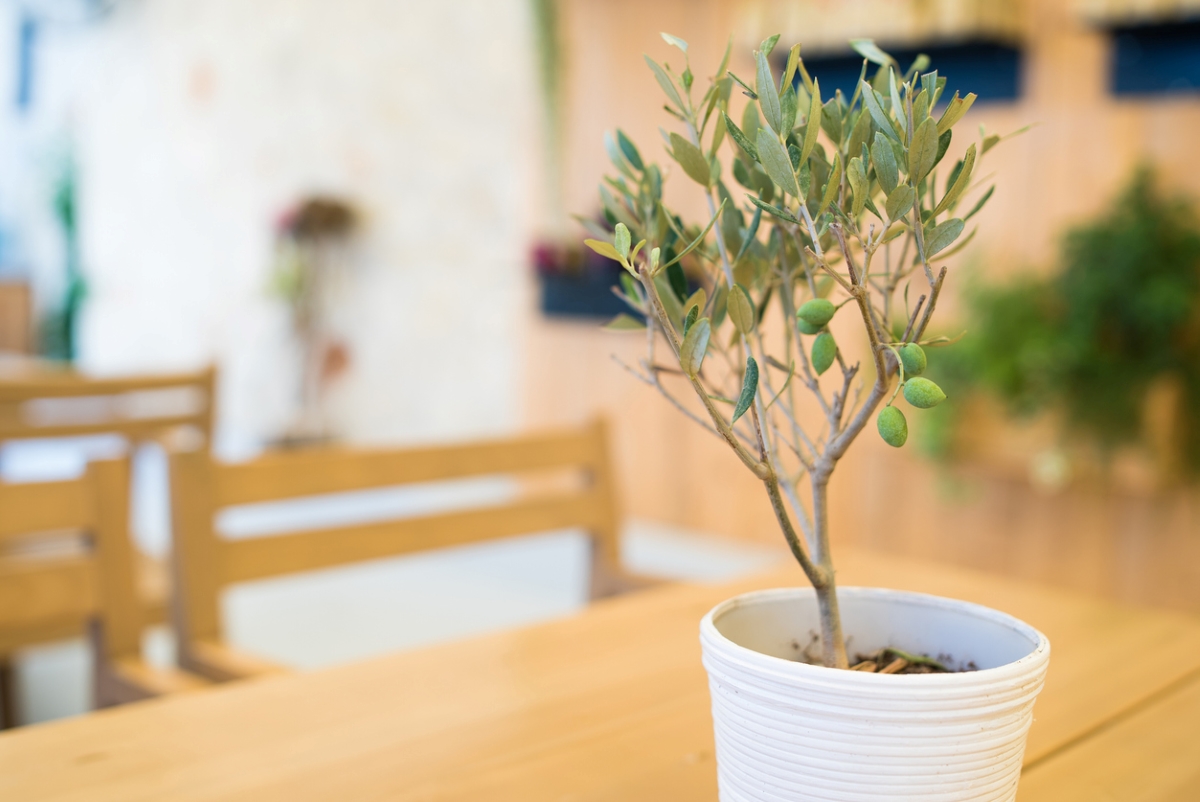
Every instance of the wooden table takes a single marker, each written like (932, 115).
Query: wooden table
(611, 704)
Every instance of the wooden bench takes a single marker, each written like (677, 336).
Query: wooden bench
(205, 563)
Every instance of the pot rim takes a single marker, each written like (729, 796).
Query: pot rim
(1021, 667)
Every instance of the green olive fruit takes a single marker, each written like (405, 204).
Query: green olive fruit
(922, 393)
(817, 312)
(913, 357)
(893, 428)
(824, 350)
(806, 327)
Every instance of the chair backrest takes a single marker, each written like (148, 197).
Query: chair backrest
(16, 318)
(62, 403)
(66, 561)
(205, 562)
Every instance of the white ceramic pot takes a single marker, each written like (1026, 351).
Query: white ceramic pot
(788, 731)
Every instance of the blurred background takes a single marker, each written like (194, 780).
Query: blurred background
(361, 213)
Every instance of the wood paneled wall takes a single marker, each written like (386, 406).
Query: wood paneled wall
(1085, 145)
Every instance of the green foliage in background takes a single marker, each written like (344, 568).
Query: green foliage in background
(1121, 312)
(57, 335)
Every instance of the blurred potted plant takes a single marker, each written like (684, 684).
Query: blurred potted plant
(311, 240)
(1108, 343)
(841, 205)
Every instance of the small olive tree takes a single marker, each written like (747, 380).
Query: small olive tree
(840, 205)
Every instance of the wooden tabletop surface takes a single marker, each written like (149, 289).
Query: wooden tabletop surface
(611, 704)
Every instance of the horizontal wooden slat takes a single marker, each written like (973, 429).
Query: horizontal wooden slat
(40, 506)
(154, 611)
(305, 551)
(334, 470)
(35, 593)
(68, 384)
(131, 427)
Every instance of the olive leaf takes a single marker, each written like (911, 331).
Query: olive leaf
(831, 120)
(749, 389)
(691, 159)
(782, 214)
(751, 233)
(741, 311)
(695, 344)
(899, 202)
(920, 107)
(718, 136)
(871, 52)
(922, 151)
(768, 97)
(897, 106)
(975, 209)
(692, 245)
(884, 160)
(860, 133)
(857, 176)
(787, 108)
(871, 99)
(664, 81)
(604, 249)
(617, 157)
(813, 124)
(674, 40)
(690, 318)
(775, 160)
(954, 112)
(789, 72)
(831, 188)
(740, 138)
(939, 237)
(630, 151)
(621, 240)
(624, 322)
(961, 182)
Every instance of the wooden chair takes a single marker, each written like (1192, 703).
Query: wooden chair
(38, 400)
(68, 566)
(205, 563)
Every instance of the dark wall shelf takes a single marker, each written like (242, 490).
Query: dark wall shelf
(992, 70)
(1155, 59)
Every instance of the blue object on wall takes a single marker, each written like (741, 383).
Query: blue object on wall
(992, 70)
(586, 294)
(1155, 59)
(27, 31)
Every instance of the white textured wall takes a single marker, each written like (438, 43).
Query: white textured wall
(200, 121)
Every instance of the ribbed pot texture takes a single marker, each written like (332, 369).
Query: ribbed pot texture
(788, 731)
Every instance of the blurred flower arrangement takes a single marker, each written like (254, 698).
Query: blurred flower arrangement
(311, 240)
(1109, 343)
(575, 281)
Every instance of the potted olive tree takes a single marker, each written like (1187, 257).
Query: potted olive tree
(841, 206)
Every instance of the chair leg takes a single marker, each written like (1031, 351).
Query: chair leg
(8, 696)
(608, 578)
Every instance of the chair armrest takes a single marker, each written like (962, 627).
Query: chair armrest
(219, 663)
(132, 679)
